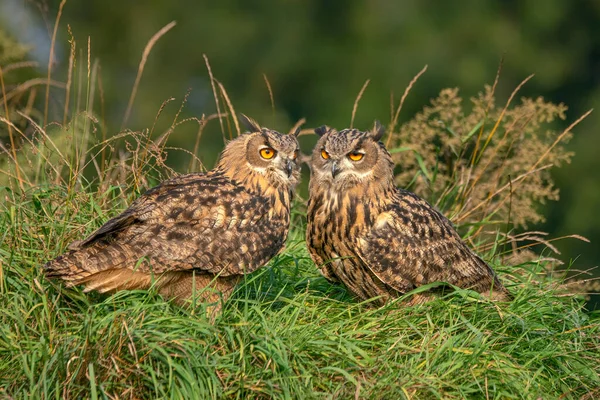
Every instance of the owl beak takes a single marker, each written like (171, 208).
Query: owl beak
(289, 167)
(335, 169)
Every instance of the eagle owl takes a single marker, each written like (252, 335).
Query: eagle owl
(378, 240)
(196, 233)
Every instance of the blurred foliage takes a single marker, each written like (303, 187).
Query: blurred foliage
(317, 55)
(10, 49)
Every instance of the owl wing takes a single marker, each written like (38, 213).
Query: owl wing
(136, 211)
(411, 244)
(193, 222)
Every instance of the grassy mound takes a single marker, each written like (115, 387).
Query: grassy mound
(286, 332)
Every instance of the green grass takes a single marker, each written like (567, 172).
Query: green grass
(285, 333)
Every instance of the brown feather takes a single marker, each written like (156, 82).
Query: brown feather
(378, 240)
(195, 230)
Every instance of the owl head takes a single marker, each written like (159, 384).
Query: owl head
(347, 158)
(263, 156)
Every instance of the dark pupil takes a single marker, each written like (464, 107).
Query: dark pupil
(267, 151)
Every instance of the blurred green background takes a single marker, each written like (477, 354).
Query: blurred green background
(317, 55)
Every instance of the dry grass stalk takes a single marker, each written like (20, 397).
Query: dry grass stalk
(10, 133)
(214, 89)
(73, 46)
(231, 109)
(404, 95)
(297, 125)
(51, 59)
(358, 97)
(270, 95)
(138, 77)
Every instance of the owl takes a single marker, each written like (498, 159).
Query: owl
(378, 240)
(197, 233)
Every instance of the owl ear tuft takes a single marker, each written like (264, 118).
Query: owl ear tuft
(250, 124)
(321, 130)
(295, 131)
(377, 132)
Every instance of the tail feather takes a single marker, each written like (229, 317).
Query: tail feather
(110, 267)
(486, 281)
(66, 267)
(100, 266)
(116, 279)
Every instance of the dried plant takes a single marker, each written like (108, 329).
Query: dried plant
(487, 167)
(484, 164)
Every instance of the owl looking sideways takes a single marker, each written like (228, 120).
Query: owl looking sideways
(378, 240)
(197, 233)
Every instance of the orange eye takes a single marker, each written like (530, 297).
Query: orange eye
(295, 155)
(267, 153)
(324, 154)
(355, 156)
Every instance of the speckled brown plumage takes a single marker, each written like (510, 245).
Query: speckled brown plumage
(197, 231)
(378, 240)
